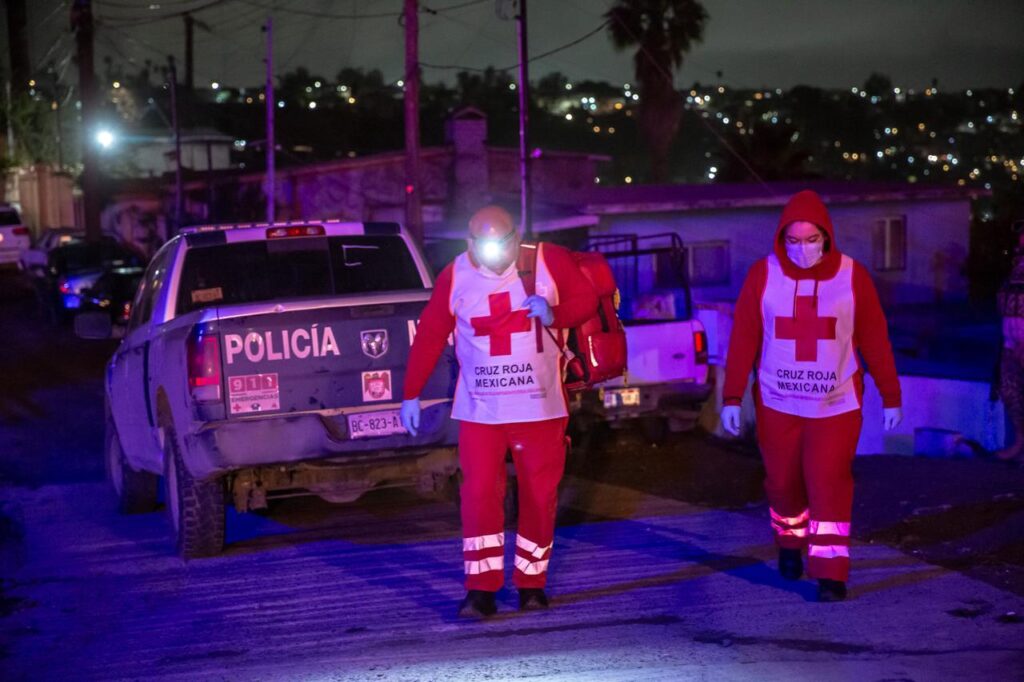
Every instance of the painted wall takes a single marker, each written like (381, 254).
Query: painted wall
(937, 242)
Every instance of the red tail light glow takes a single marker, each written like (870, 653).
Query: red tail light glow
(295, 231)
(204, 365)
(700, 347)
(65, 288)
(20, 231)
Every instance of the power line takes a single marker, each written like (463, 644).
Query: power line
(542, 55)
(142, 21)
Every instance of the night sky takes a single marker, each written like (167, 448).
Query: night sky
(776, 43)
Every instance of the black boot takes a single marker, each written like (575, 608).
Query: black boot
(791, 564)
(478, 604)
(831, 590)
(532, 599)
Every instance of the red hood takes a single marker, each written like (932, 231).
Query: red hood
(809, 207)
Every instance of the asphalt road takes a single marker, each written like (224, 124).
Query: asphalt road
(662, 568)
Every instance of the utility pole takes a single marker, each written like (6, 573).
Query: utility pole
(190, 24)
(525, 188)
(179, 194)
(17, 46)
(413, 194)
(269, 98)
(81, 24)
(56, 106)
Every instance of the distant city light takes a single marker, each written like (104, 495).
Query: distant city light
(629, 180)
(511, 86)
(215, 85)
(105, 138)
(636, 97)
(568, 86)
(117, 84)
(280, 104)
(317, 84)
(351, 100)
(312, 105)
(400, 84)
(32, 83)
(568, 117)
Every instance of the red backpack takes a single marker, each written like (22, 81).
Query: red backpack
(595, 350)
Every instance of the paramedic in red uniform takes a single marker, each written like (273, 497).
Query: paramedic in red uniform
(802, 316)
(509, 395)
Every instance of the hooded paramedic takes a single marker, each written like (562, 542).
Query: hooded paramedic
(803, 314)
(509, 395)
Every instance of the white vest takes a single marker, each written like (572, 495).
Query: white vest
(808, 362)
(503, 377)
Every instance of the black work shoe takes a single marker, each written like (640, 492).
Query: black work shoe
(478, 604)
(831, 590)
(532, 599)
(791, 564)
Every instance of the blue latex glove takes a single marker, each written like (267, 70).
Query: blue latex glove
(731, 419)
(891, 417)
(539, 308)
(410, 415)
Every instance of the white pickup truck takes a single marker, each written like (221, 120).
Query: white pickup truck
(268, 360)
(667, 379)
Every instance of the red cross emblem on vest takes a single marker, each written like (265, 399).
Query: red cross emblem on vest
(806, 328)
(501, 324)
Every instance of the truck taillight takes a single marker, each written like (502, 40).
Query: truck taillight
(295, 231)
(204, 364)
(20, 231)
(700, 347)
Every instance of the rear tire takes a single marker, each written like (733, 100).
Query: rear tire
(136, 491)
(195, 508)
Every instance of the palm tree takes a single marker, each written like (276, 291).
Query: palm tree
(662, 31)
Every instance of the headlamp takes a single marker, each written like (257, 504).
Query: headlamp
(490, 249)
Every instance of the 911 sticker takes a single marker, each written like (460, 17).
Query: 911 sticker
(253, 393)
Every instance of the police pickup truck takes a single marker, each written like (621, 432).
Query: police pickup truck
(268, 360)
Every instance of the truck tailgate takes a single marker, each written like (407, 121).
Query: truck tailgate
(346, 353)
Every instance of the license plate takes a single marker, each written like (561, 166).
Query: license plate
(626, 397)
(370, 424)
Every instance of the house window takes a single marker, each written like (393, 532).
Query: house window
(708, 263)
(890, 243)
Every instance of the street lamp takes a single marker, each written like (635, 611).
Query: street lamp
(105, 138)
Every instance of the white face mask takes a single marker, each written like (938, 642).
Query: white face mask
(805, 255)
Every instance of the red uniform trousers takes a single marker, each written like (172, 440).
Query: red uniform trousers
(809, 483)
(538, 452)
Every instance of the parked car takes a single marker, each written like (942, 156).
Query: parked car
(73, 267)
(269, 360)
(35, 259)
(15, 237)
(112, 294)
